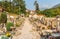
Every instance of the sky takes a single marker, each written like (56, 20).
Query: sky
(42, 4)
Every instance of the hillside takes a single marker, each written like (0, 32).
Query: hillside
(58, 5)
(52, 12)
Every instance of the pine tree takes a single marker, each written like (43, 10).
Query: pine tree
(36, 7)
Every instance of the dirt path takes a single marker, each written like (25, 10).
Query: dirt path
(26, 31)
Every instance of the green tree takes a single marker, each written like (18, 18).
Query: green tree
(13, 6)
(36, 7)
(6, 5)
(20, 5)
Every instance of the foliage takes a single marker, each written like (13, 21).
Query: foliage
(14, 6)
(20, 5)
(52, 12)
(3, 17)
(8, 25)
(36, 7)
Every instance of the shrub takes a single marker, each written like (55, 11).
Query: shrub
(3, 17)
(8, 25)
(18, 24)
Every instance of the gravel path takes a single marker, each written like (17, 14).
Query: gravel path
(26, 32)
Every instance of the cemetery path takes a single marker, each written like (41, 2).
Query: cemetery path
(26, 32)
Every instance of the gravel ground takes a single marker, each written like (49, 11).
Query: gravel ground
(26, 32)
